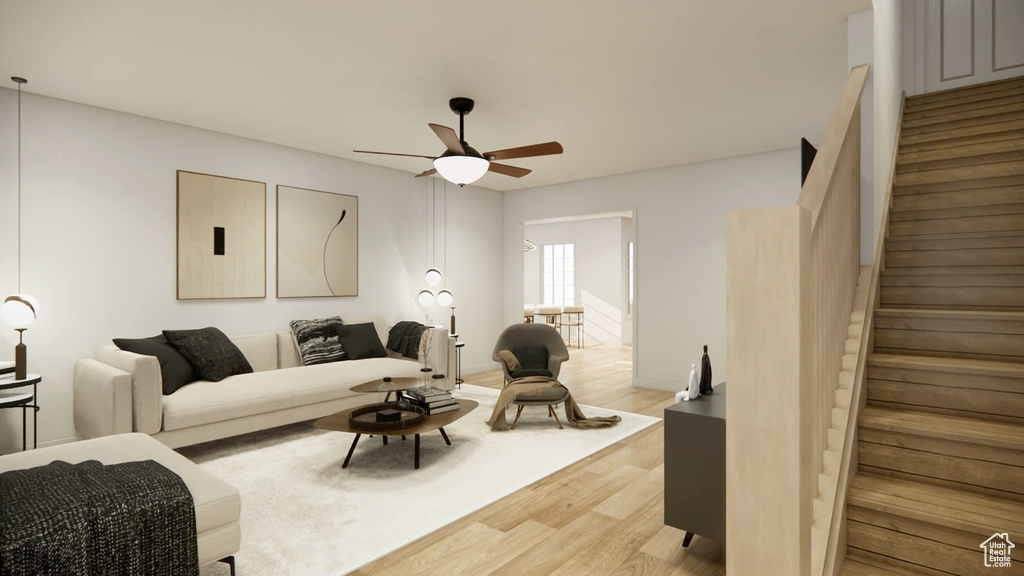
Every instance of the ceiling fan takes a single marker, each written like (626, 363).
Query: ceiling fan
(461, 163)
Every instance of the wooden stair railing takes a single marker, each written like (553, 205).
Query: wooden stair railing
(792, 273)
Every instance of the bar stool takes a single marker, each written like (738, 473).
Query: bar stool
(551, 315)
(572, 316)
(528, 315)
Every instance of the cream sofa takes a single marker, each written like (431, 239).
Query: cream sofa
(217, 503)
(120, 391)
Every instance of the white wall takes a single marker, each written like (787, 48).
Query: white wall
(628, 229)
(680, 249)
(860, 50)
(888, 92)
(599, 254)
(98, 215)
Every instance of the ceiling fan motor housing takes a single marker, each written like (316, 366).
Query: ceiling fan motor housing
(461, 106)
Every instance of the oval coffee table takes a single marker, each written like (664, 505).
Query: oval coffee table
(339, 423)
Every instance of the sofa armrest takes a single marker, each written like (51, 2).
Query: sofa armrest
(102, 399)
(147, 386)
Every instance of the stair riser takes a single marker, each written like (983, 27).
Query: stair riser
(915, 105)
(964, 242)
(988, 405)
(909, 551)
(963, 450)
(964, 225)
(977, 327)
(947, 96)
(977, 114)
(950, 143)
(960, 199)
(960, 173)
(998, 126)
(980, 257)
(959, 162)
(972, 475)
(1007, 98)
(982, 122)
(907, 159)
(999, 347)
(959, 185)
(894, 280)
(958, 212)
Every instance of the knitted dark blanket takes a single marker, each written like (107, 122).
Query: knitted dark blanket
(129, 519)
(404, 338)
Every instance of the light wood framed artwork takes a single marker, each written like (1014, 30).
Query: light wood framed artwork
(222, 237)
(317, 243)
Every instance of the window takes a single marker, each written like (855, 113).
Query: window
(629, 302)
(559, 275)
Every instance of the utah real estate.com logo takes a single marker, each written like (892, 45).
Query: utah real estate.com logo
(997, 550)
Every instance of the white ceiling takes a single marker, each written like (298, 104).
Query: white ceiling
(623, 85)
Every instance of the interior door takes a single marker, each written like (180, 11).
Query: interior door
(972, 41)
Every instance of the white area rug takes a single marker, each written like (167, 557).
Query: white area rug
(303, 514)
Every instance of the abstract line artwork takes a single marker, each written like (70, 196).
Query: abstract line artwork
(222, 237)
(317, 243)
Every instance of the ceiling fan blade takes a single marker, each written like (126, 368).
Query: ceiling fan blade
(394, 154)
(513, 171)
(525, 151)
(449, 137)
(427, 173)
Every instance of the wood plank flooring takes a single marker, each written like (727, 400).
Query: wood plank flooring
(600, 516)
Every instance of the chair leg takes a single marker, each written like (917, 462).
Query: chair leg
(230, 561)
(555, 414)
(518, 413)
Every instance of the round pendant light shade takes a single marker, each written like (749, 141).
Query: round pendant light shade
(445, 298)
(433, 277)
(426, 298)
(461, 169)
(19, 310)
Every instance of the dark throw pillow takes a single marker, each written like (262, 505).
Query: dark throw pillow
(361, 341)
(211, 353)
(532, 357)
(317, 340)
(175, 369)
(524, 372)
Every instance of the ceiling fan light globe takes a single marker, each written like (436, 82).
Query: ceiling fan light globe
(461, 169)
(19, 310)
(425, 298)
(445, 298)
(433, 277)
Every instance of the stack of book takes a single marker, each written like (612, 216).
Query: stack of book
(433, 400)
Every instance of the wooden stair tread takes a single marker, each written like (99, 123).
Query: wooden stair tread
(1016, 82)
(945, 364)
(969, 137)
(963, 100)
(857, 565)
(999, 124)
(995, 147)
(952, 271)
(979, 113)
(956, 428)
(988, 100)
(951, 314)
(960, 509)
(959, 173)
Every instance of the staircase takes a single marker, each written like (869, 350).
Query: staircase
(941, 441)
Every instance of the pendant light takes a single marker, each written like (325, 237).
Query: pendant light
(445, 298)
(426, 297)
(19, 310)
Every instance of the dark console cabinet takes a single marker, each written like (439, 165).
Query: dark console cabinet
(695, 466)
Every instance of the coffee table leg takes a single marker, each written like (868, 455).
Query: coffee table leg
(445, 436)
(417, 460)
(353, 449)
(385, 440)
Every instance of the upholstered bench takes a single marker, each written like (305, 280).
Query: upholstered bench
(217, 502)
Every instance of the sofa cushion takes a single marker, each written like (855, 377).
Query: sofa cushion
(211, 353)
(317, 340)
(361, 341)
(262, 392)
(175, 369)
(259, 349)
(287, 352)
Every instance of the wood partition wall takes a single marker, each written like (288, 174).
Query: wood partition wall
(791, 278)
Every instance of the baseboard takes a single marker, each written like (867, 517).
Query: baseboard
(655, 384)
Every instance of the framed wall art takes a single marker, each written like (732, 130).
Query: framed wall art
(222, 237)
(317, 243)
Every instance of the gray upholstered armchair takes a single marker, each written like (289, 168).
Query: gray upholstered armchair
(522, 336)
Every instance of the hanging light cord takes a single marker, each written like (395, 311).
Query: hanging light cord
(444, 244)
(19, 187)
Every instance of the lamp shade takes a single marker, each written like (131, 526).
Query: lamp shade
(445, 298)
(461, 169)
(19, 310)
(433, 277)
(426, 298)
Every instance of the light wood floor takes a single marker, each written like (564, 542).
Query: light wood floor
(601, 516)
